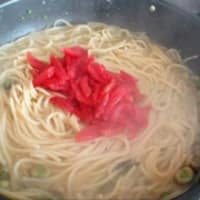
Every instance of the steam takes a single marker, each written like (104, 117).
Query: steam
(189, 6)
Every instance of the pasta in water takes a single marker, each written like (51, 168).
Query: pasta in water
(39, 156)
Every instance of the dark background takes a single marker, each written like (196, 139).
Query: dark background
(175, 23)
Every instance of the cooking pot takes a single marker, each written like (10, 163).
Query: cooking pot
(164, 22)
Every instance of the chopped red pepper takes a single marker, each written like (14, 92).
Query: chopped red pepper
(108, 103)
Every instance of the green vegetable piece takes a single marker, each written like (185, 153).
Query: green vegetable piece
(29, 11)
(165, 196)
(196, 80)
(7, 84)
(4, 175)
(45, 17)
(124, 166)
(107, 187)
(184, 175)
(4, 184)
(40, 171)
(23, 18)
(43, 198)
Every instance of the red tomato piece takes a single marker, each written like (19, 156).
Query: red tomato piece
(87, 134)
(44, 75)
(75, 51)
(108, 103)
(63, 103)
(36, 63)
(84, 85)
